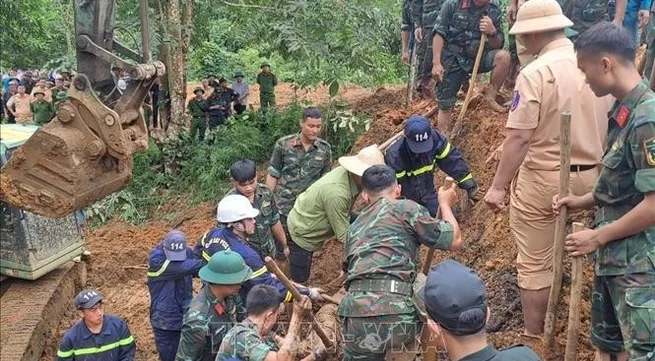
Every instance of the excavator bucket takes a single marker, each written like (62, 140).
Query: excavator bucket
(81, 156)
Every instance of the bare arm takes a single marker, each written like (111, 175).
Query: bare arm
(278, 234)
(637, 220)
(271, 182)
(287, 349)
(620, 11)
(448, 216)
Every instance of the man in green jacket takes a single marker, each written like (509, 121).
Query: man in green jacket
(198, 107)
(267, 82)
(42, 109)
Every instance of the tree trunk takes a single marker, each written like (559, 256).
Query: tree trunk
(164, 86)
(177, 87)
(187, 30)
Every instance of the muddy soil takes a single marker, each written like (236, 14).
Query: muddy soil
(120, 250)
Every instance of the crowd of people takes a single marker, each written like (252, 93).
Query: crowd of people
(304, 202)
(29, 97)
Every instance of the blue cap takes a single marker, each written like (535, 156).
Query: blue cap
(418, 134)
(455, 297)
(175, 246)
(87, 299)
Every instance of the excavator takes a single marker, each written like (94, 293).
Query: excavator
(85, 153)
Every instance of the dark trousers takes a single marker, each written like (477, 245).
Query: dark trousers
(214, 121)
(239, 108)
(301, 262)
(166, 342)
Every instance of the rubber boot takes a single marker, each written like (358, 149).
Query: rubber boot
(490, 97)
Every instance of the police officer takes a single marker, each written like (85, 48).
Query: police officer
(381, 264)
(171, 267)
(236, 223)
(415, 156)
(215, 309)
(98, 336)
(219, 104)
(457, 36)
(458, 310)
(530, 158)
(623, 235)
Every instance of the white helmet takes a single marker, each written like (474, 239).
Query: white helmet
(234, 208)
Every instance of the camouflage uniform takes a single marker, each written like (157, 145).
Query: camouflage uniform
(262, 241)
(243, 342)
(424, 15)
(650, 42)
(267, 83)
(585, 13)
(623, 299)
(296, 169)
(205, 325)
(459, 25)
(382, 263)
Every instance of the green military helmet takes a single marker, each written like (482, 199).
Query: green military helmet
(238, 74)
(264, 64)
(61, 96)
(225, 268)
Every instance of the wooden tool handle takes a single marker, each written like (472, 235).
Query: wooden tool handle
(272, 267)
(474, 75)
(330, 299)
(430, 256)
(577, 279)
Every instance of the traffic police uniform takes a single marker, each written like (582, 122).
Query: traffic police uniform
(114, 342)
(415, 156)
(171, 267)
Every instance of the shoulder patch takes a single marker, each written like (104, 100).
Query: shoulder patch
(623, 115)
(649, 151)
(515, 100)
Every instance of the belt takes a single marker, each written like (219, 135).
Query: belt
(582, 168)
(609, 214)
(391, 286)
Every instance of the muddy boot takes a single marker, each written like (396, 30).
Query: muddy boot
(426, 91)
(490, 97)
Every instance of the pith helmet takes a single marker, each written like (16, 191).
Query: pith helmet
(225, 268)
(366, 157)
(537, 16)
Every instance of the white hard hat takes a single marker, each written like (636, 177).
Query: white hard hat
(234, 208)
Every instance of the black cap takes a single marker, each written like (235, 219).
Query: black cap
(87, 299)
(455, 298)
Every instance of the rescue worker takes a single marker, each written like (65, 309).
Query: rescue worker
(381, 264)
(406, 32)
(322, 212)
(216, 309)
(457, 305)
(197, 107)
(298, 160)
(457, 34)
(623, 234)
(415, 156)
(236, 223)
(97, 336)
(268, 227)
(424, 17)
(254, 338)
(171, 268)
(267, 82)
(544, 88)
(42, 110)
(218, 104)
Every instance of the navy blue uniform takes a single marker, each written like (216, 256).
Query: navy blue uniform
(221, 239)
(171, 291)
(415, 172)
(113, 343)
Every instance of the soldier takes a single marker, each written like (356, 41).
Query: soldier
(544, 88)
(649, 72)
(623, 235)
(42, 109)
(254, 339)
(456, 40)
(216, 309)
(267, 82)
(415, 156)
(236, 218)
(298, 160)
(41, 86)
(457, 306)
(424, 16)
(322, 212)
(406, 32)
(98, 336)
(197, 107)
(381, 264)
(268, 227)
(171, 267)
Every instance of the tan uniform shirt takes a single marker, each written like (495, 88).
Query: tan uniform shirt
(547, 86)
(47, 93)
(21, 106)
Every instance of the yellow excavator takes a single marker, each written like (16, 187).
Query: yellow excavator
(85, 153)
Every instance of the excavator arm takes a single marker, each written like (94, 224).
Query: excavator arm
(85, 153)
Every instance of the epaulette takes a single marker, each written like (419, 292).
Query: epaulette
(644, 112)
(324, 142)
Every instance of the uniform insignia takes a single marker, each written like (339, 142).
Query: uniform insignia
(465, 4)
(622, 117)
(219, 309)
(515, 100)
(649, 151)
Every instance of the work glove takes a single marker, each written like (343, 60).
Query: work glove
(473, 191)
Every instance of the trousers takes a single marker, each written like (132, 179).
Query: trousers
(166, 342)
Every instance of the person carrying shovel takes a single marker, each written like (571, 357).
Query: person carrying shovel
(530, 157)
(623, 234)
